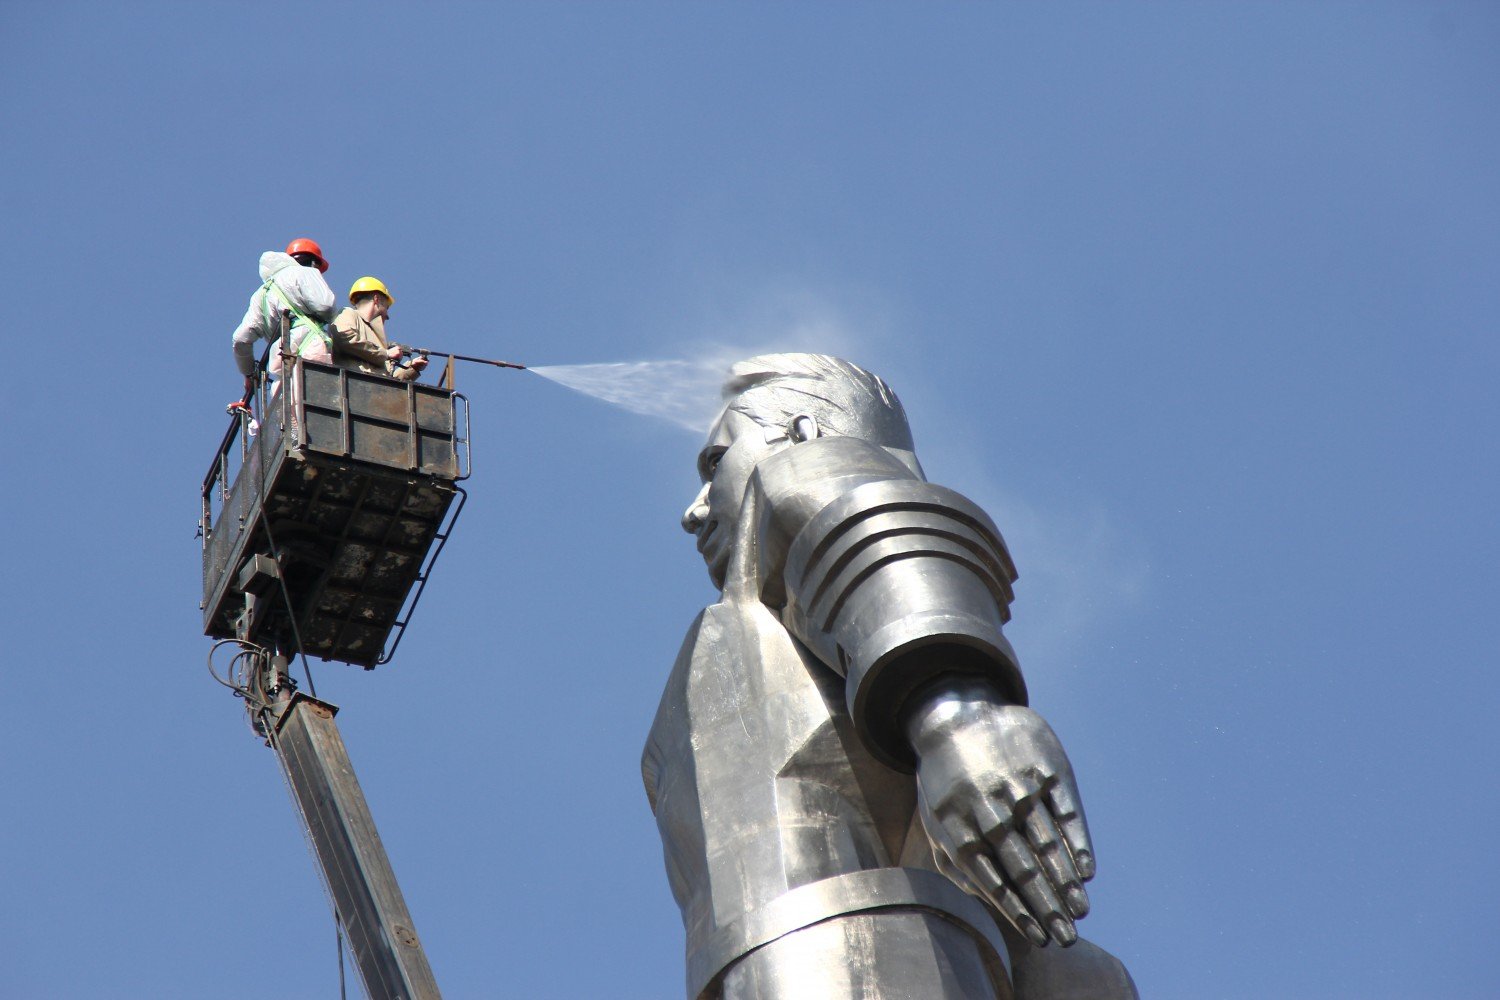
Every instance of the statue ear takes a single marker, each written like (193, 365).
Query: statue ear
(803, 427)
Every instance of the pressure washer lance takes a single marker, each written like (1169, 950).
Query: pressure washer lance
(424, 352)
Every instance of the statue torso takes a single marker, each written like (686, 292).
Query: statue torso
(757, 780)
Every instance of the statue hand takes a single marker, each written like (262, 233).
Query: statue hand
(998, 800)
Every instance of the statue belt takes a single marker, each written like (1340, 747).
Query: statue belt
(865, 891)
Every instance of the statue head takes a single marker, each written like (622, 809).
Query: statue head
(771, 402)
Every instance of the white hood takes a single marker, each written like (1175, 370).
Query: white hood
(274, 260)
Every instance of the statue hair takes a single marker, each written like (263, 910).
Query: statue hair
(846, 400)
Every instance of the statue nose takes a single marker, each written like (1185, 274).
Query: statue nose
(697, 512)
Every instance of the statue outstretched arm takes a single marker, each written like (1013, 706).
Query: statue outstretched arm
(892, 581)
(903, 586)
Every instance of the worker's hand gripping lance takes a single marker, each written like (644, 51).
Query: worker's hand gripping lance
(447, 379)
(425, 351)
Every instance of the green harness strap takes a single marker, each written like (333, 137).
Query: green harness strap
(307, 323)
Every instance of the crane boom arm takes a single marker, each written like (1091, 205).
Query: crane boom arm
(370, 907)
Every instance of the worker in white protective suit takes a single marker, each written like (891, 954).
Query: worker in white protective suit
(293, 287)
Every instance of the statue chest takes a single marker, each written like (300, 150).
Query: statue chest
(756, 777)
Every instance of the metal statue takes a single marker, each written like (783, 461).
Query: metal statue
(854, 800)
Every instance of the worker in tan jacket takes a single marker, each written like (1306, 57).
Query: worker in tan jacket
(359, 334)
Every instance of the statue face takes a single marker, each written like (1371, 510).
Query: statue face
(734, 446)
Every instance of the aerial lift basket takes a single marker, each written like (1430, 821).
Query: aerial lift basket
(337, 507)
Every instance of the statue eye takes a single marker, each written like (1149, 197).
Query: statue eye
(708, 464)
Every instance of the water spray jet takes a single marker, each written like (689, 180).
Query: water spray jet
(684, 392)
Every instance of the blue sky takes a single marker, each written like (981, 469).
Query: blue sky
(1197, 299)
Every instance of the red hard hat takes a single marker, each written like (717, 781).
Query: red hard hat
(308, 246)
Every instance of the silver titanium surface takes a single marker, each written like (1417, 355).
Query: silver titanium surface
(853, 798)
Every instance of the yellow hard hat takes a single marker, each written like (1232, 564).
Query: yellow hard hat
(369, 284)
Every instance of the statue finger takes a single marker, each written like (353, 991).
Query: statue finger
(950, 831)
(1068, 812)
(1021, 866)
(1017, 791)
(948, 868)
(1004, 898)
(994, 820)
(1045, 840)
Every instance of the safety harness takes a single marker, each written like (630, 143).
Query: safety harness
(304, 343)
